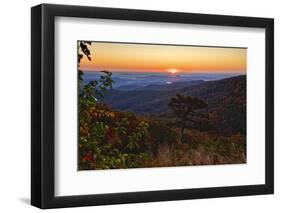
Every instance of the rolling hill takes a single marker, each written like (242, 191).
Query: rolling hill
(153, 99)
(226, 100)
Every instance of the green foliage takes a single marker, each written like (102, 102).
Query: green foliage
(137, 136)
(112, 141)
(108, 139)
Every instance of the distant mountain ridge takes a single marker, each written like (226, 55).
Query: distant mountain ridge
(160, 87)
(154, 101)
(132, 80)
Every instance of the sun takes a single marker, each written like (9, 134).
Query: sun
(173, 71)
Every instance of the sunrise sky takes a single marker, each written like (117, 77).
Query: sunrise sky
(164, 58)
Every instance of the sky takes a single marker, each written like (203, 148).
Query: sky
(164, 58)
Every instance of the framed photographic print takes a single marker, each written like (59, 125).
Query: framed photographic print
(140, 106)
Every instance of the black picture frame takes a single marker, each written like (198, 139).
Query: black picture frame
(43, 102)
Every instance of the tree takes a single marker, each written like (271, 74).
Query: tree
(83, 50)
(186, 108)
(89, 93)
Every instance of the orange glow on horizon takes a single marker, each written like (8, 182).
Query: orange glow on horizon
(163, 58)
(172, 71)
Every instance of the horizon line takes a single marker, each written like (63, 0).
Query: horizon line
(178, 72)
